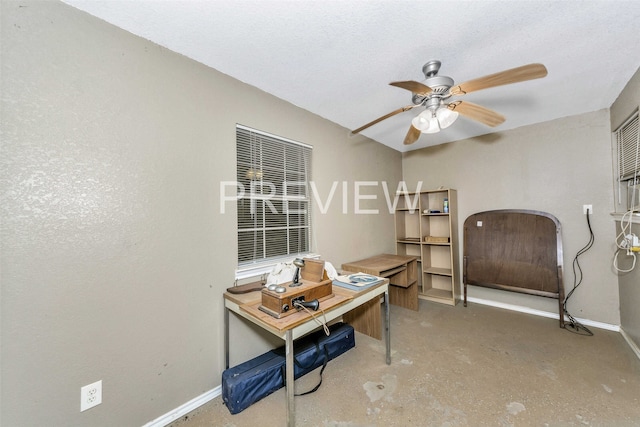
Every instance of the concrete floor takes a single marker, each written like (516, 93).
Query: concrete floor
(457, 366)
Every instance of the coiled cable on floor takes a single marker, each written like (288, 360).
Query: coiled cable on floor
(573, 325)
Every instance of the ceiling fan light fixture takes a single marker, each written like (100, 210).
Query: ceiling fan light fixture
(430, 122)
(426, 122)
(446, 117)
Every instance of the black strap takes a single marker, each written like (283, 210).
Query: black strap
(313, 362)
(324, 365)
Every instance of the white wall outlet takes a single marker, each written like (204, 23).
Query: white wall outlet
(90, 395)
(587, 209)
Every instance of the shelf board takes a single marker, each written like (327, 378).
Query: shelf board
(418, 242)
(438, 295)
(438, 271)
(438, 300)
(414, 240)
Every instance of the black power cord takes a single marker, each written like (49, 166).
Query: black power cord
(573, 325)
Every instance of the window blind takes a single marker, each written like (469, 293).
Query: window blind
(628, 144)
(274, 218)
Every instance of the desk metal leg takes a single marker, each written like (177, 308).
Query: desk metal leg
(387, 330)
(226, 338)
(291, 409)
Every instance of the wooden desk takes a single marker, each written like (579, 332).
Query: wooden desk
(344, 303)
(402, 272)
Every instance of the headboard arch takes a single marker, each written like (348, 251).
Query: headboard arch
(515, 250)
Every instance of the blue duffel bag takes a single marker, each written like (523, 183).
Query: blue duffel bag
(254, 379)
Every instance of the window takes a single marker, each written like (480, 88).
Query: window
(628, 146)
(273, 198)
(627, 138)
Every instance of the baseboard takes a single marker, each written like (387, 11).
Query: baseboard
(631, 343)
(185, 408)
(542, 313)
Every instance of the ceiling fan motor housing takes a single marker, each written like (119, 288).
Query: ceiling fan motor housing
(438, 84)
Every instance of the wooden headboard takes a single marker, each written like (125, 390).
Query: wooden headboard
(514, 250)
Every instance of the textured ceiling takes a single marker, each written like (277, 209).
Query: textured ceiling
(336, 58)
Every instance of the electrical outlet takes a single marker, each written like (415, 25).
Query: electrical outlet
(587, 208)
(90, 395)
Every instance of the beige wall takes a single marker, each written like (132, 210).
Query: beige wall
(622, 108)
(114, 251)
(554, 167)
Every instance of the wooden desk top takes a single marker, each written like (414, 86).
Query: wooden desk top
(250, 303)
(379, 264)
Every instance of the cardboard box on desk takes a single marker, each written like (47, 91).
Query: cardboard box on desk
(313, 270)
(280, 304)
(434, 239)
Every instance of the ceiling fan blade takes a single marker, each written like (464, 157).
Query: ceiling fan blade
(386, 116)
(415, 87)
(514, 75)
(412, 135)
(477, 112)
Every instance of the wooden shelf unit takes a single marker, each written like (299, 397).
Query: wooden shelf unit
(438, 259)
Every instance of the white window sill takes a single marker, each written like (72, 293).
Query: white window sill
(635, 218)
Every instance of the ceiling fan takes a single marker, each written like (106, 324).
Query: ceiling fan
(436, 90)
